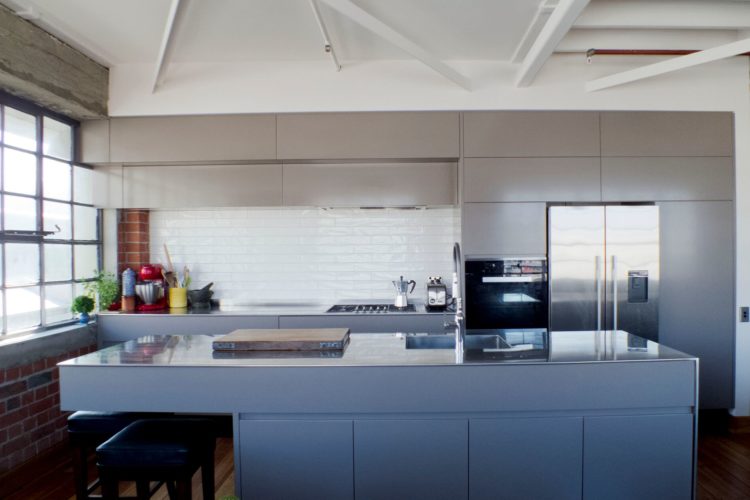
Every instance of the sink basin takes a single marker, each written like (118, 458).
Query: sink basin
(472, 342)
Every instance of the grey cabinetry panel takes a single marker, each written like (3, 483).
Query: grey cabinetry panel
(108, 186)
(193, 138)
(504, 228)
(370, 184)
(122, 327)
(539, 458)
(531, 133)
(645, 457)
(297, 459)
(202, 186)
(375, 323)
(368, 135)
(667, 178)
(94, 141)
(659, 133)
(411, 459)
(696, 310)
(531, 179)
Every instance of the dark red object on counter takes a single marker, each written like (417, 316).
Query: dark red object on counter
(150, 272)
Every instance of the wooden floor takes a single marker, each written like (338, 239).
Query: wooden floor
(723, 472)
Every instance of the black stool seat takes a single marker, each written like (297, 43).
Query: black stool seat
(159, 449)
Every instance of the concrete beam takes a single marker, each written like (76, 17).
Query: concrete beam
(37, 66)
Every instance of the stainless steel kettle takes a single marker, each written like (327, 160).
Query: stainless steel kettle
(402, 289)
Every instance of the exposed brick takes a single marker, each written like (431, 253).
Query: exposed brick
(38, 366)
(12, 403)
(12, 389)
(15, 430)
(12, 373)
(29, 424)
(3, 435)
(13, 417)
(39, 379)
(16, 444)
(43, 405)
(42, 418)
(27, 398)
(26, 370)
(2, 375)
(41, 393)
(47, 429)
(55, 374)
(15, 459)
(2, 407)
(43, 444)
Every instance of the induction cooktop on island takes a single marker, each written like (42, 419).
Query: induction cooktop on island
(370, 308)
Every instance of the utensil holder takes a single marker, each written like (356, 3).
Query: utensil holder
(177, 297)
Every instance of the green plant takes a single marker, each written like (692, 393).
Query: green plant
(104, 288)
(82, 304)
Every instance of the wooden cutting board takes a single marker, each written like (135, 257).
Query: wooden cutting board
(297, 339)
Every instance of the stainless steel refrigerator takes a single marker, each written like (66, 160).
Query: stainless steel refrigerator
(604, 268)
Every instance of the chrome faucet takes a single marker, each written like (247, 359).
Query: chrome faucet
(458, 318)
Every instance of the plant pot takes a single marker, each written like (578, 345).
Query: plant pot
(84, 318)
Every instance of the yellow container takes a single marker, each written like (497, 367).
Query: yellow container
(177, 297)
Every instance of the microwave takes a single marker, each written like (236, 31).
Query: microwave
(506, 293)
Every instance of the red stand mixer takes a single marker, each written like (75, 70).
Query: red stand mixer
(151, 288)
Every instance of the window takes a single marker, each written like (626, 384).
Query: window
(49, 230)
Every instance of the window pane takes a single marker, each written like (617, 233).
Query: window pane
(20, 213)
(58, 260)
(83, 185)
(22, 263)
(57, 214)
(19, 172)
(57, 301)
(57, 138)
(24, 306)
(86, 261)
(20, 129)
(85, 223)
(56, 179)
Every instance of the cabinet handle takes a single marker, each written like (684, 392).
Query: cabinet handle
(614, 293)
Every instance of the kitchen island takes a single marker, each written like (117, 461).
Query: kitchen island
(598, 415)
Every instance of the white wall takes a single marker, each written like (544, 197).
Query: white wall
(408, 85)
(303, 255)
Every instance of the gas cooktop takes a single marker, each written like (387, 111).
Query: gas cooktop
(370, 308)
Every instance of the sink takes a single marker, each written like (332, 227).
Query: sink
(472, 342)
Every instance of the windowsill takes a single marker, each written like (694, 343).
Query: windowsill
(25, 349)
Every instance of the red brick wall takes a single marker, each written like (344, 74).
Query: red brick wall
(30, 417)
(132, 239)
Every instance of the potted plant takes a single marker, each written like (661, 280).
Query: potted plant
(104, 288)
(83, 305)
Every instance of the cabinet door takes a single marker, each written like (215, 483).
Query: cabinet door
(667, 179)
(535, 458)
(411, 459)
(531, 179)
(188, 186)
(296, 459)
(375, 323)
(504, 229)
(659, 133)
(368, 135)
(644, 457)
(370, 184)
(531, 133)
(696, 309)
(193, 138)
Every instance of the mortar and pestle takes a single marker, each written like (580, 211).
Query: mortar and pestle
(201, 298)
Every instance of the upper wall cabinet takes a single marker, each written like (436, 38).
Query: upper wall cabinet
(531, 133)
(202, 186)
(368, 135)
(667, 134)
(370, 184)
(192, 138)
(94, 145)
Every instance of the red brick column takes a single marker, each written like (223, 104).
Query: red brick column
(132, 239)
(31, 421)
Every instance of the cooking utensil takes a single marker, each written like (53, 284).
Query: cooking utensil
(169, 259)
(402, 289)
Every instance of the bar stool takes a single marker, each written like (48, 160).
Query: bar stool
(165, 449)
(89, 429)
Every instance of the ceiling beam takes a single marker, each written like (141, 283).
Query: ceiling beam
(661, 14)
(167, 45)
(375, 25)
(674, 64)
(328, 46)
(558, 24)
(540, 18)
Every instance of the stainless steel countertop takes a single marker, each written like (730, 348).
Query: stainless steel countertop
(375, 350)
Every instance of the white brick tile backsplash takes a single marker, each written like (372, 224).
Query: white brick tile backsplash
(262, 255)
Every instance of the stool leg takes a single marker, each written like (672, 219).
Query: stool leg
(80, 471)
(185, 487)
(110, 485)
(143, 489)
(207, 478)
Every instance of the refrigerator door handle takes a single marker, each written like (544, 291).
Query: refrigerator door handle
(614, 293)
(598, 278)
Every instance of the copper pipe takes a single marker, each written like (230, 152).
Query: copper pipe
(644, 52)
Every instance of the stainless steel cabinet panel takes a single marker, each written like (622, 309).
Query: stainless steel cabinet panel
(370, 184)
(368, 135)
(202, 186)
(531, 179)
(373, 323)
(648, 457)
(659, 133)
(504, 228)
(411, 459)
(296, 459)
(667, 178)
(94, 141)
(531, 133)
(539, 458)
(697, 309)
(108, 186)
(193, 138)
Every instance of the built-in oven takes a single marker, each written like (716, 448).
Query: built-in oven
(506, 293)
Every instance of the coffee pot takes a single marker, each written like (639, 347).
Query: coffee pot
(402, 288)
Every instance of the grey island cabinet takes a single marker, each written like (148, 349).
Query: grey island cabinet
(599, 415)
